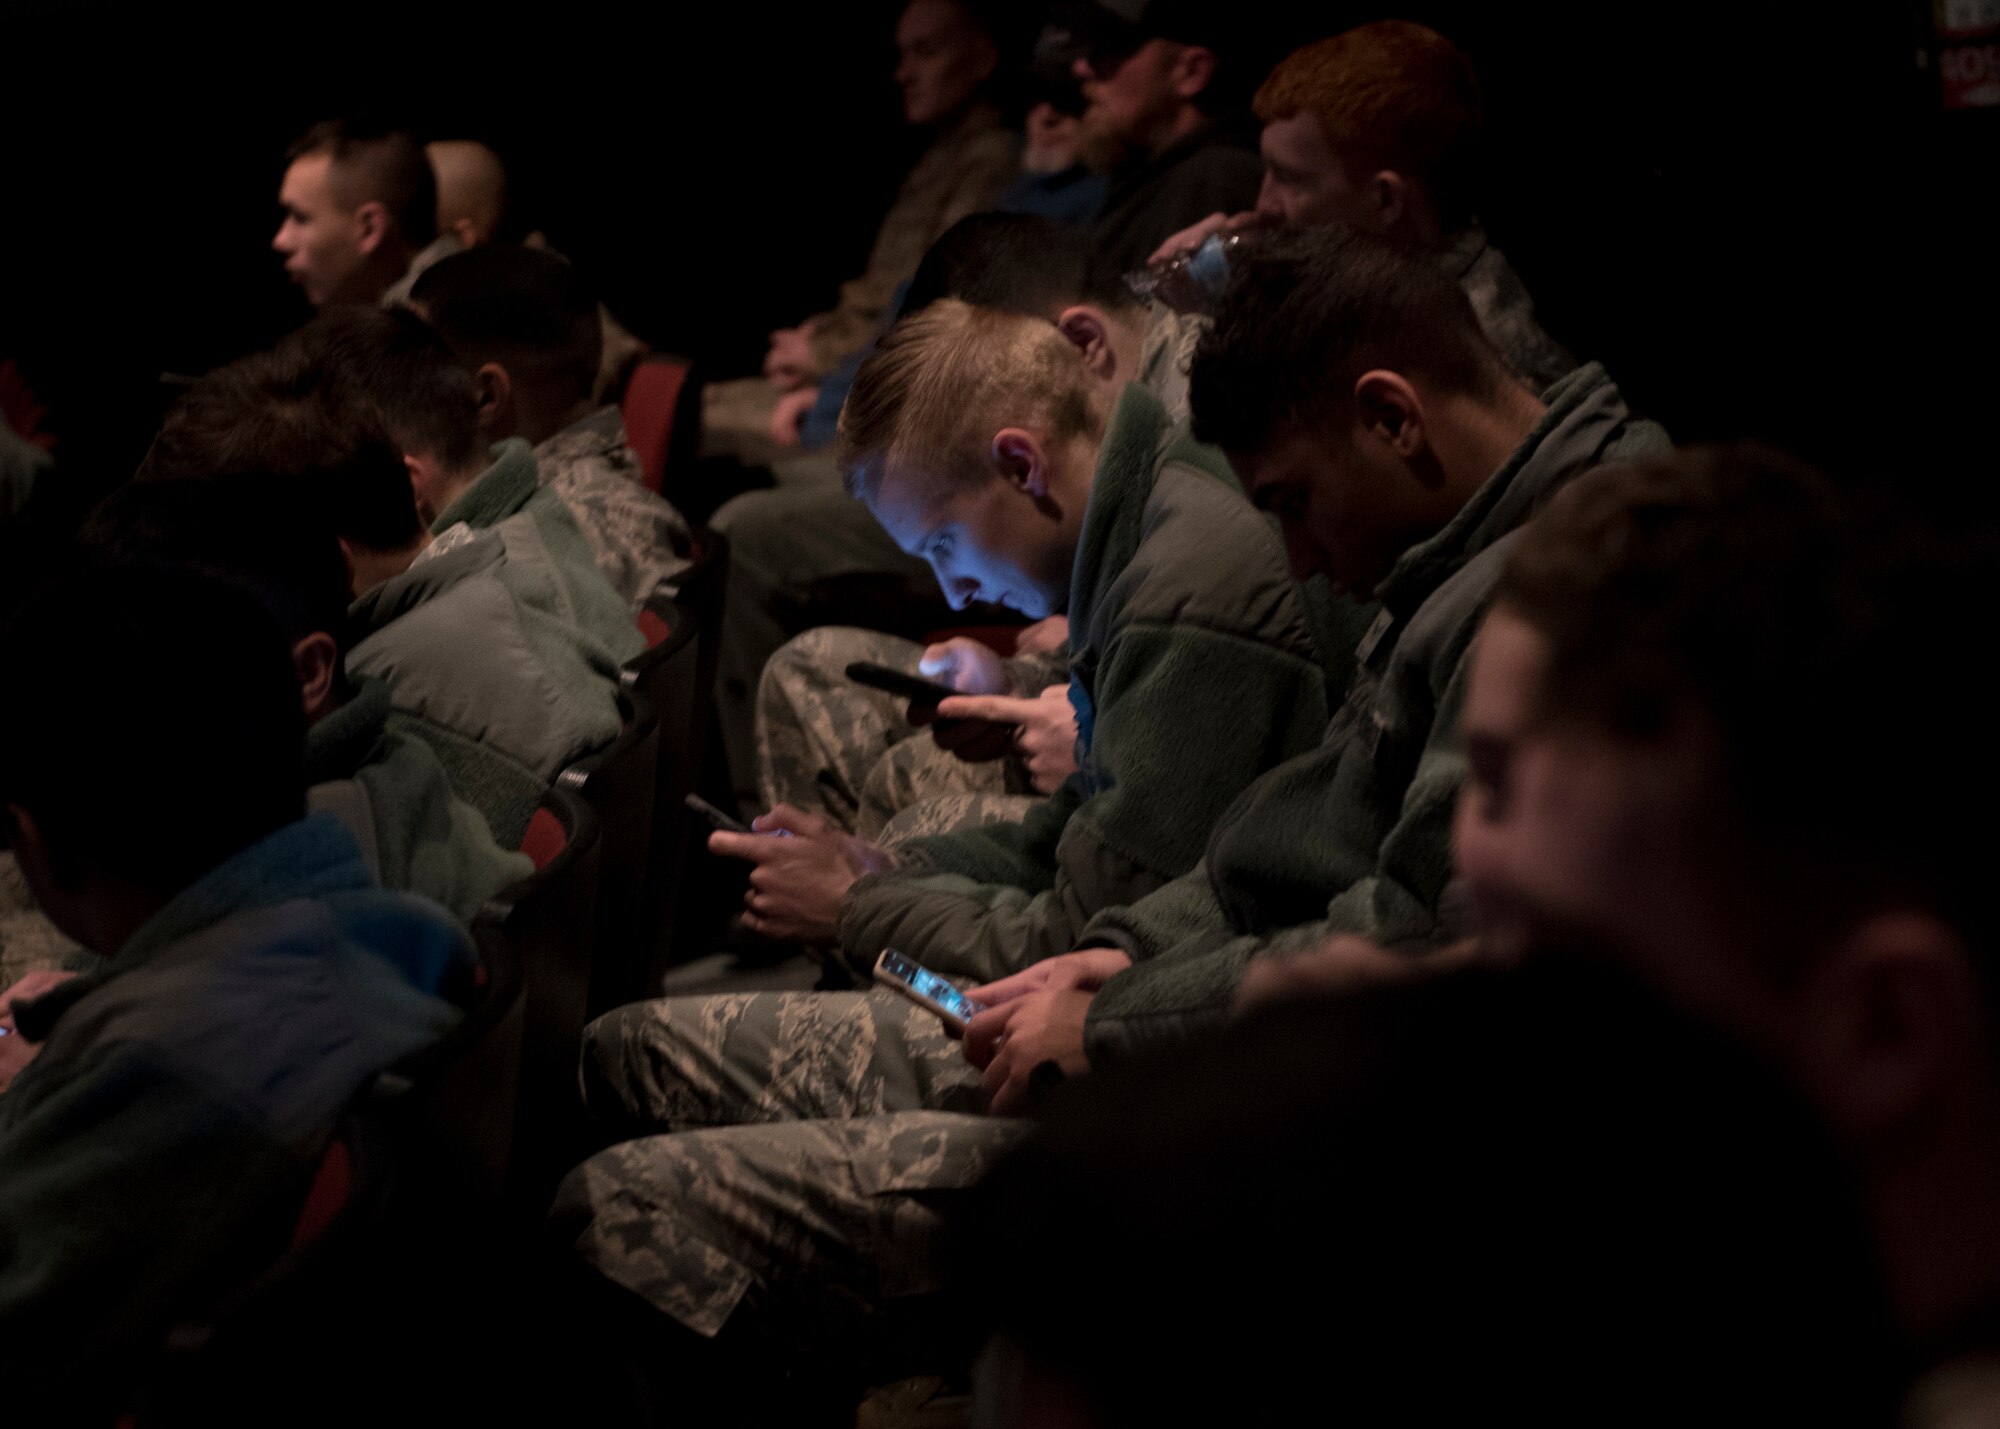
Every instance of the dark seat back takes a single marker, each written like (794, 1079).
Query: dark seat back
(662, 410)
(619, 784)
(668, 677)
(544, 926)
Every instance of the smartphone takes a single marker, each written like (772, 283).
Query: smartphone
(716, 817)
(925, 988)
(911, 687)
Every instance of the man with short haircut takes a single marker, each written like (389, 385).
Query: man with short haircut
(1724, 730)
(473, 204)
(840, 750)
(983, 441)
(506, 694)
(360, 218)
(1379, 128)
(527, 325)
(1159, 120)
(1352, 388)
(385, 784)
(157, 1145)
(430, 403)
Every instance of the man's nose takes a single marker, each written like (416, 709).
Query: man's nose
(1267, 198)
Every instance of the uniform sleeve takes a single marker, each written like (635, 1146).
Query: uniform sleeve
(1185, 990)
(1189, 717)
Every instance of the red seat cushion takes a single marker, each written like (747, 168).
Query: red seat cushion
(651, 402)
(545, 839)
(332, 1184)
(655, 628)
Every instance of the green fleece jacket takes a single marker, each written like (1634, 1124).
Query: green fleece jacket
(1355, 837)
(156, 1153)
(550, 563)
(1192, 669)
(389, 790)
(506, 694)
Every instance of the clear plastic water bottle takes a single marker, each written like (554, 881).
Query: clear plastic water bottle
(1193, 282)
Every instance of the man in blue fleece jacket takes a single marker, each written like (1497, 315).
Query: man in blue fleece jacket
(168, 1109)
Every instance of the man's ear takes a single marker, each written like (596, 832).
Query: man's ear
(371, 224)
(496, 399)
(467, 231)
(1389, 195)
(1086, 330)
(1020, 458)
(1194, 71)
(1388, 407)
(347, 558)
(1893, 1020)
(316, 659)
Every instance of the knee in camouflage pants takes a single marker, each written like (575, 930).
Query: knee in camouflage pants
(845, 751)
(804, 1149)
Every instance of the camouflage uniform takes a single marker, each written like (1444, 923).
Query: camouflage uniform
(963, 172)
(29, 942)
(438, 249)
(639, 539)
(810, 1143)
(846, 751)
(1506, 312)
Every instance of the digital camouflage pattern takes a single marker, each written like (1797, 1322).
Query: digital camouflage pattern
(29, 942)
(637, 536)
(1506, 313)
(847, 752)
(800, 1144)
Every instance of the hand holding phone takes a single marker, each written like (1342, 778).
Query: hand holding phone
(914, 688)
(927, 989)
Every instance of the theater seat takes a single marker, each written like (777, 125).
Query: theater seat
(667, 677)
(619, 784)
(662, 409)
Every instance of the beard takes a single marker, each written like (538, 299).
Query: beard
(1100, 146)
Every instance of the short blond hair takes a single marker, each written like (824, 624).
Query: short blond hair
(942, 381)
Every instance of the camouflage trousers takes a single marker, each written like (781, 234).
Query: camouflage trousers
(803, 1155)
(29, 942)
(847, 752)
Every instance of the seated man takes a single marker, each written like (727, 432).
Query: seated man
(1357, 398)
(385, 784)
(1162, 99)
(980, 440)
(360, 214)
(946, 56)
(1676, 767)
(527, 326)
(800, 556)
(506, 694)
(429, 402)
(168, 1110)
(1379, 128)
(472, 203)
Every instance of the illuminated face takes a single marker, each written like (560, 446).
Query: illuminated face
(321, 242)
(988, 540)
(1333, 494)
(942, 59)
(1570, 838)
(1305, 183)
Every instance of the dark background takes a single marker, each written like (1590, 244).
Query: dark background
(1763, 223)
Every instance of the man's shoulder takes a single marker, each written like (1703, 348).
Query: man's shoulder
(1207, 557)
